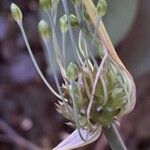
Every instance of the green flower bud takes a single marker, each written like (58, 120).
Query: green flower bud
(64, 22)
(73, 20)
(72, 71)
(44, 29)
(101, 8)
(45, 4)
(16, 12)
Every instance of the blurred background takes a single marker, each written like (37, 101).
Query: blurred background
(28, 119)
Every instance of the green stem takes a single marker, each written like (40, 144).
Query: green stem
(75, 109)
(34, 61)
(113, 137)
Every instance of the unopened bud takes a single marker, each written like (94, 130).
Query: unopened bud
(73, 20)
(44, 29)
(72, 71)
(45, 4)
(64, 22)
(101, 8)
(16, 12)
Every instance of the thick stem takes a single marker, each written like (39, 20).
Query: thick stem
(113, 138)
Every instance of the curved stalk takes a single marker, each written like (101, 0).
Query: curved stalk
(74, 46)
(75, 109)
(35, 63)
(48, 48)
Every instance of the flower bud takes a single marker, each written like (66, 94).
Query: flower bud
(64, 22)
(45, 4)
(101, 8)
(73, 20)
(16, 12)
(44, 29)
(72, 71)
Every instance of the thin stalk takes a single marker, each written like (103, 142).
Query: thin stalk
(78, 14)
(86, 86)
(55, 40)
(98, 75)
(72, 93)
(98, 19)
(54, 10)
(47, 44)
(87, 64)
(64, 48)
(113, 137)
(35, 63)
(74, 46)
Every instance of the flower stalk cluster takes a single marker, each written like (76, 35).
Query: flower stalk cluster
(93, 95)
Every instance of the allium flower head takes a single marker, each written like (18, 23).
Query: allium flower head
(93, 95)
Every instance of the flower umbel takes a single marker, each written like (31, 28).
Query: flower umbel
(94, 95)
